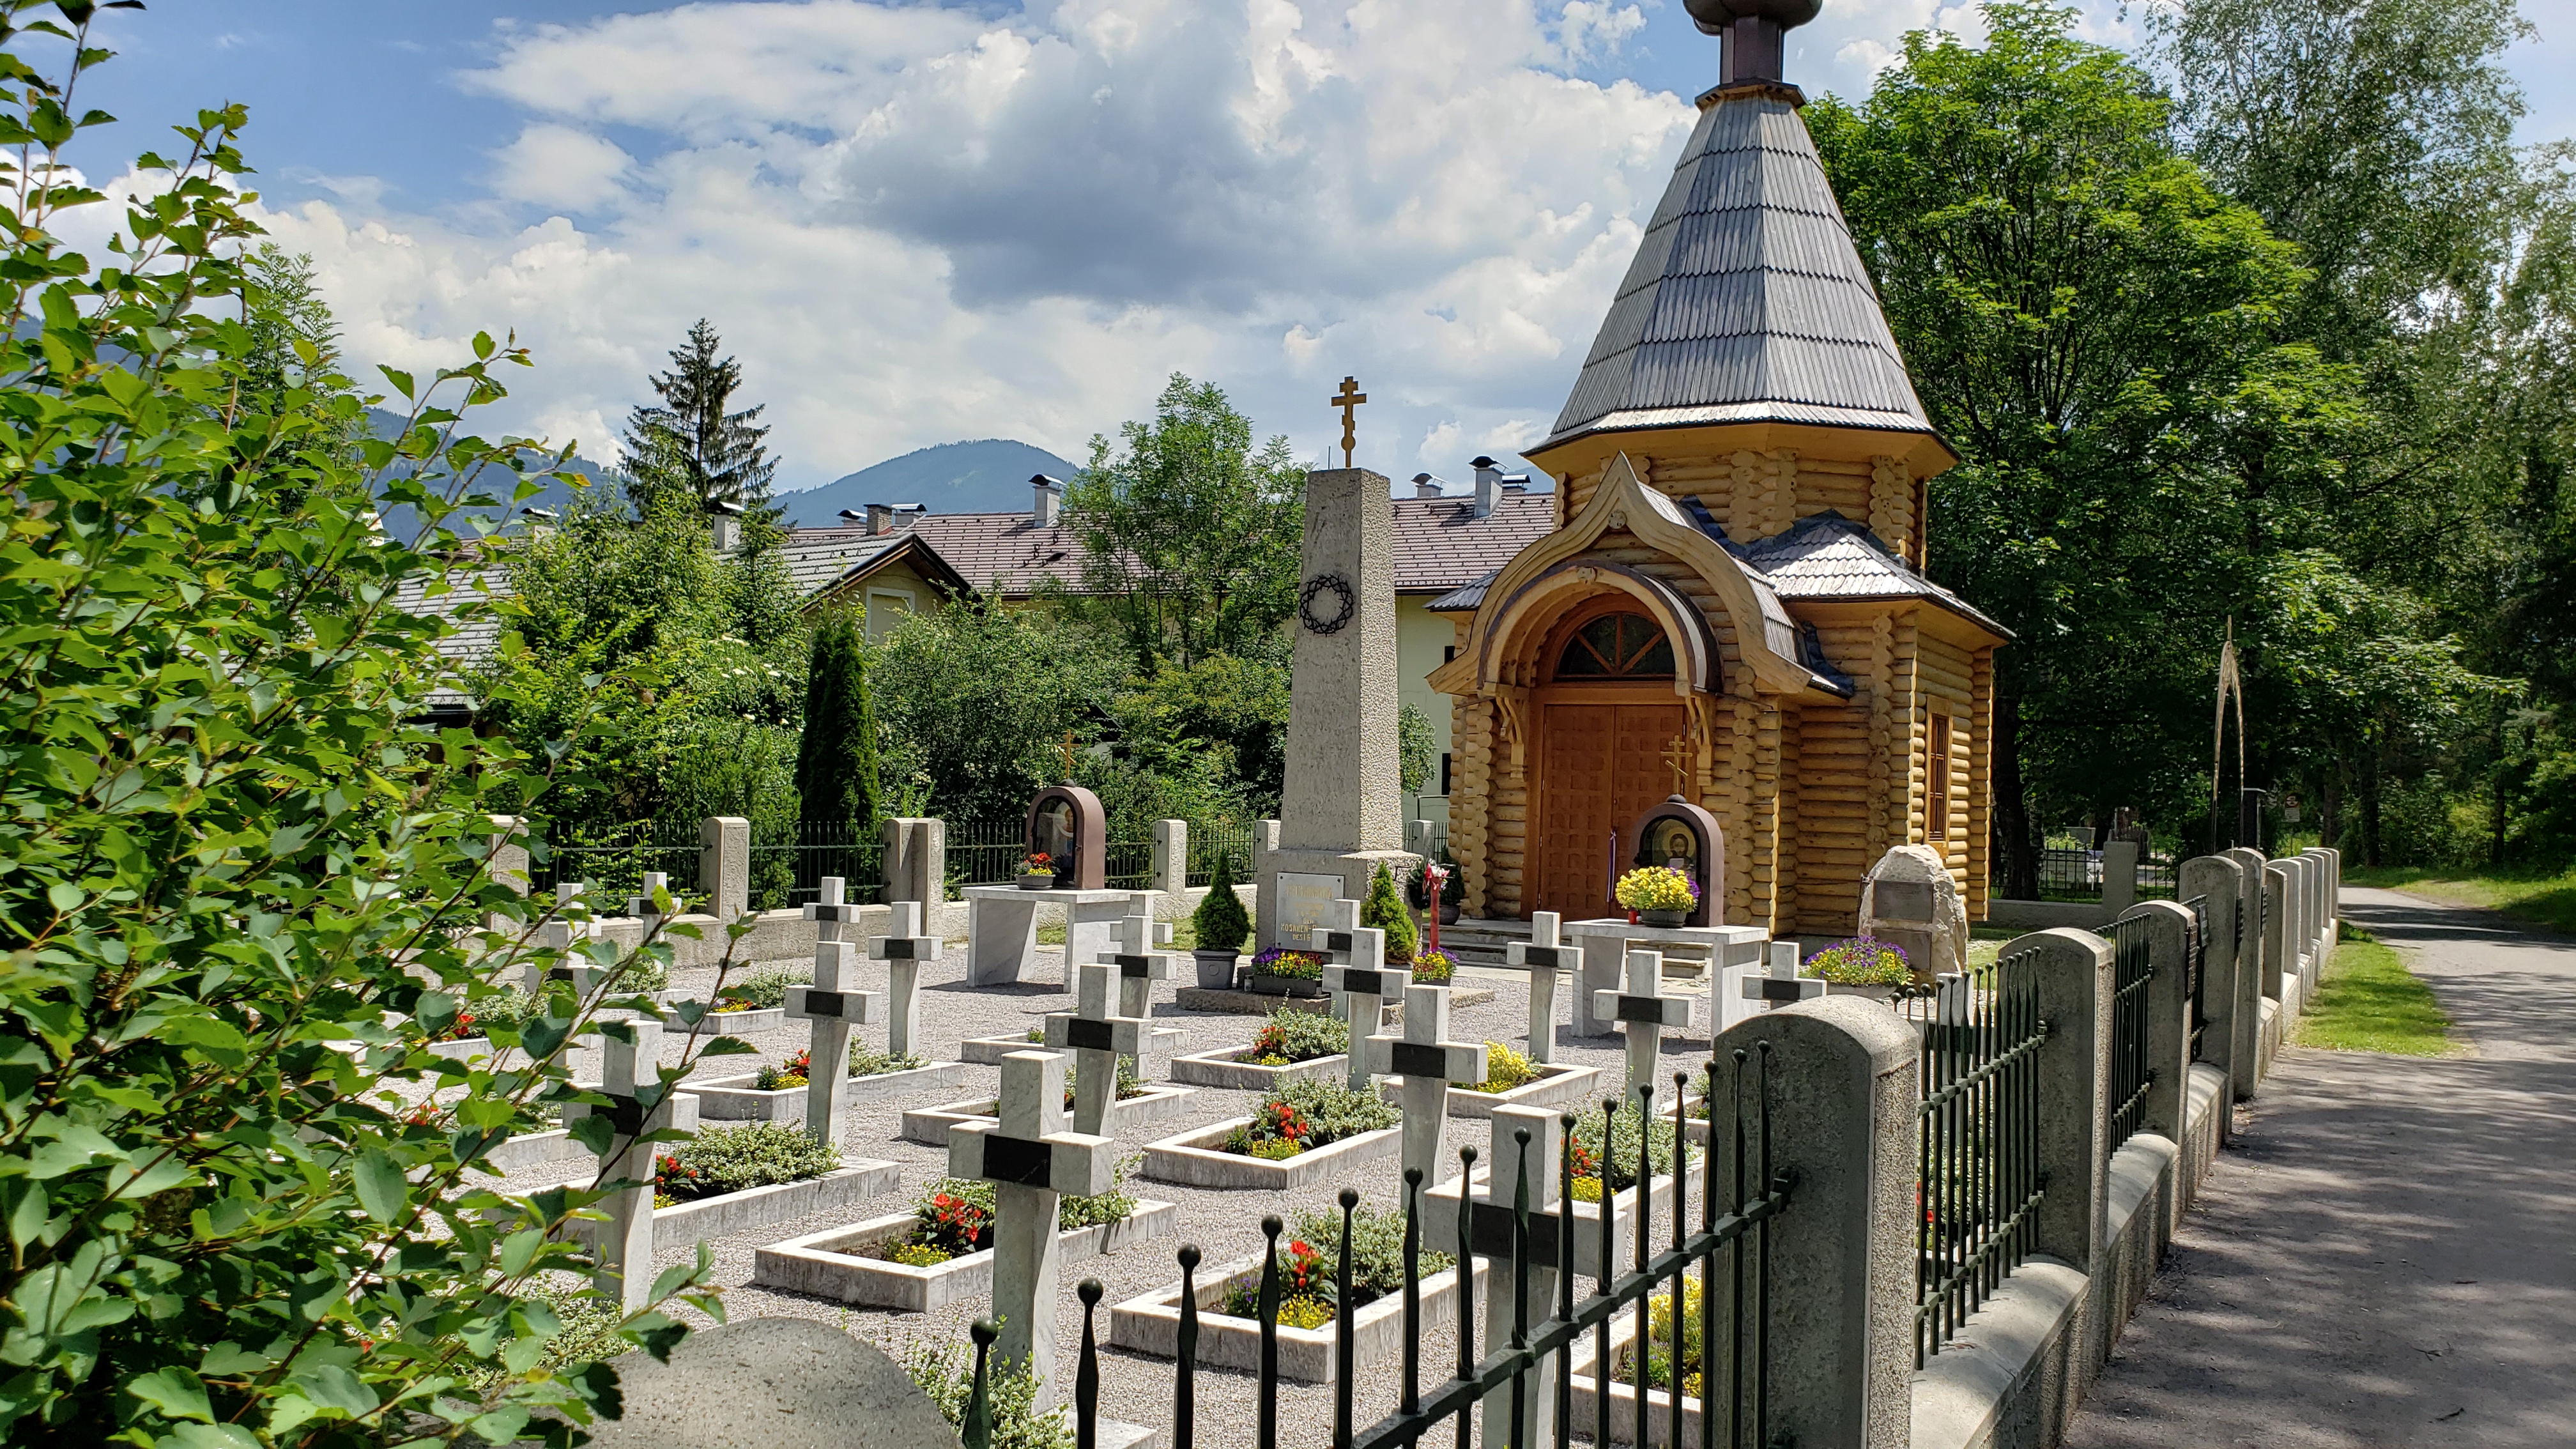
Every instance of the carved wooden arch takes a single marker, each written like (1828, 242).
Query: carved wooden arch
(1513, 652)
(1623, 501)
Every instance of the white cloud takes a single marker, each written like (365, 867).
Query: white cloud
(552, 165)
(916, 224)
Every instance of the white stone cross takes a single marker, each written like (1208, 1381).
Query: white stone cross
(1545, 957)
(834, 1005)
(1031, 1160)
(642, 905)
(1492, 1214)
(1644, 1014)
(1356, 972)
(826, 911)
(1428, 1061)
(1097, 1040)
(630, 1053)
(1784, 985)
(565, 932)
(903, 951)
(1139, 967)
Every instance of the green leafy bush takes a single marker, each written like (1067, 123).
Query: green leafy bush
(1311, 1114)
(1377, 1249)
(1583, 1148)
(765, 989)
(1288, 1037)
(946, 1372)
(751, 1154)
(246, 876)
(1221, 920)
(1384, 910)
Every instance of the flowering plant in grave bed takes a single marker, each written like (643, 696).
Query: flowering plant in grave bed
(1302, 1116)
(1657, 888)
(763, 990)
(1289, 965)
(1860, 961)
(507, 1008)
(1308, 1294)
(1433, 968)
(1659, 1353)
(954, 1217)
(720, 1160)
(1505, 1069)
(1289, 1037)
(1583, 1151)
(865, 1061)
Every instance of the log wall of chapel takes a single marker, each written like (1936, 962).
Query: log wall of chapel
(1755, 495)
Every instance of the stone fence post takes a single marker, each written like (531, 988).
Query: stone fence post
(2075, 972)
(2227, 1017)
(1845, 1081)
(2280, 935)
(2168, 1015)
(1265, 887)
(2119, 875)
(724, 865)
(1171, 860)
(915, 859)
(508, 852)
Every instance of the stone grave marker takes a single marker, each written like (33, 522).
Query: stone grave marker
(1644, 1014)
(630, 1058)
(565, 932)
(1535, 1136)
(641, 905)
(834, 1005)
(1032, 1162)
(1139, 967)
(903, 950)
(1356, 973)
(1910, 902)
(1097, 1040)
(1545, 956)
(1783, 985)
(1428, 1061)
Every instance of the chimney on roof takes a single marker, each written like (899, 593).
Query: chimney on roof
(1426, 486)
(1048, 504)
(724, 526)
(1489, 488)
(853, 518)
(880, 519)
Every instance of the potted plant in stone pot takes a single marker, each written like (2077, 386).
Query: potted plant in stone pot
(1037, 872)
(1659, 894)
(1282, 972)
(1221, 924)
(1453, 890)
(1861, 966)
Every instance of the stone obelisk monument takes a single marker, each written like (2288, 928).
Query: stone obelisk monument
(1338, 814)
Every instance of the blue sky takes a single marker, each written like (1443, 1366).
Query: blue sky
(917, 223)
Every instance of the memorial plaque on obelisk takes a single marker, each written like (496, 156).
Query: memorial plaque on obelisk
(1338, 813)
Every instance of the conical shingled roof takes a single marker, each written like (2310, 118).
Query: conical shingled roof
(1747, 301)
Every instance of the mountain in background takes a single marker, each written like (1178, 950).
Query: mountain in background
(988, 475)
(398, 519)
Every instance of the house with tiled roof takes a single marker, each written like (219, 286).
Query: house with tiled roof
(1730, 610)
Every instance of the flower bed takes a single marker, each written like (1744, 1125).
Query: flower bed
(1511, 1080)
(1433, 968)
(1299, 1132)
(1583, 1380)
(1302, 1116)
(779, 1094)
(941, 1251)
(1280, 971)
(1137, 1104)
(1859, 961)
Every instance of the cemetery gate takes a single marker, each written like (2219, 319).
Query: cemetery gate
(1728, 1314)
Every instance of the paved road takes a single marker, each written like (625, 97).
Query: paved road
(2387, 1255)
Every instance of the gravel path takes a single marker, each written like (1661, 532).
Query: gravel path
(2382, 1256)
(1224, 1225)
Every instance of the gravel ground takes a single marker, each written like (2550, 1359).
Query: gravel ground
(1224, 1225)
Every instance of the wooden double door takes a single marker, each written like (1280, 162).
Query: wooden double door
(1600, 766)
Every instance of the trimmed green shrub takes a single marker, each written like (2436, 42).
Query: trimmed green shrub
(1377, 1249)
(1221, 920)
(1312, 1114)
(1384, 910)
(1583, 1147)
(751, 1154)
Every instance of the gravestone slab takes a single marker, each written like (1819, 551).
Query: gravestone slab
(765, 1382)
(1910, 901)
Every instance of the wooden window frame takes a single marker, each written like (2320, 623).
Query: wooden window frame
(1937, 748)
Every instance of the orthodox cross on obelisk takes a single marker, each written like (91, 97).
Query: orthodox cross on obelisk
(1348, 398)
(1677, 755)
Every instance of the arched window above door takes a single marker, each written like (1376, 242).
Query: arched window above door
(1617, 646)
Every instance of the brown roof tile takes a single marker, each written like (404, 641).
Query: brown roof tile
(1440, 544)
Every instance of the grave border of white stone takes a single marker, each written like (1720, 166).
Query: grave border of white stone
(1197, 1158)
(930, 1126)
(1557, 1084)
(824, 1265)
(1440, 1221)
(1150, 1323)
(734, 1099)
(1225, 1067)
(752, 1208)
(738, 1022)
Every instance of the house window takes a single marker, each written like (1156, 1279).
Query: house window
(1617, 646)
(886, 610)
(1936, 807)
(1444, 773)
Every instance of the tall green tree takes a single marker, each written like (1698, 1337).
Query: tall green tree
(691, 445)
(2098, 331)
(977, 699)
(836, 762)
(1191, 534)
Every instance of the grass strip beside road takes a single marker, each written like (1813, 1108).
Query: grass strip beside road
(2368, 1001)
(2543, 900)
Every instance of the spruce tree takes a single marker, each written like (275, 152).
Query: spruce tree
(1384, 910)
(836, 761)
(690, 448)
(1220, 919)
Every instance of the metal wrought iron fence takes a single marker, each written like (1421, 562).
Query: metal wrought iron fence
(1234, 842)
(612, 862)
(1978, 1133)
(2159, 877)
(2070, 875)
(986, 852)
(2132, 967)
(2196, 960)
(790, 859)
(1740, 1194)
